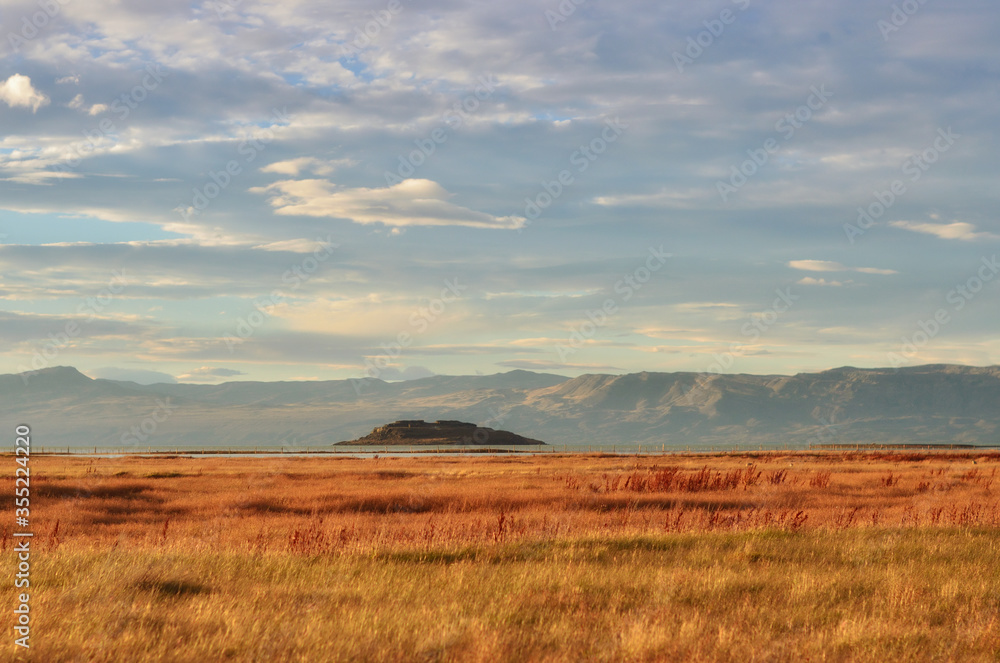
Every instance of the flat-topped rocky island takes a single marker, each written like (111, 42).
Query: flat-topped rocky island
(420, 432)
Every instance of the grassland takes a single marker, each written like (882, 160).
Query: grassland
(752, 557)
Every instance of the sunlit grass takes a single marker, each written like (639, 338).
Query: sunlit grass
(535, 559)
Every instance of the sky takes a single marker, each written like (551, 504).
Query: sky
(295, 190)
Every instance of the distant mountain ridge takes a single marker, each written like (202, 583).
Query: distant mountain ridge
(922, 404)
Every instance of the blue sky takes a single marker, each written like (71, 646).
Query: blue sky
(270, 191)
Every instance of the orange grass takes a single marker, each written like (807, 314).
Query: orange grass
(312, 505)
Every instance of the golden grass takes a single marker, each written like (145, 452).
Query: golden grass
(761, 557)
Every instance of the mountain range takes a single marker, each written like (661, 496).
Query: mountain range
(923, 404)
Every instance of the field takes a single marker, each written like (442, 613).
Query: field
(728, 557)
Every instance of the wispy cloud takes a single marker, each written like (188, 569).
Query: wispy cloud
(543, 365)
(310, 164)
(209, 374)
(409, 203)
(808, 280)
(830, 266)
(959, 230)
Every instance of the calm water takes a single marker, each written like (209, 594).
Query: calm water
(452, 450)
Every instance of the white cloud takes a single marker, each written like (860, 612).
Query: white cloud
(409, 203)
(817, 266)
(687, 199)
(823, 282)
(353, 316)
(40, 177)
(830, 266)
(547, 365)
(208, 374)
(293, 245)
(78, 103)
(138, 375)
(17, 91)
(312, 164)
(699, 306)
(954, 230)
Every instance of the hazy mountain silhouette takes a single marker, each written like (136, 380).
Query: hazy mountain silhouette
(940, 403)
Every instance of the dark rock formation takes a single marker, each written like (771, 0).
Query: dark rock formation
(417, 431)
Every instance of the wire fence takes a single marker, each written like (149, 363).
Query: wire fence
(490, 450)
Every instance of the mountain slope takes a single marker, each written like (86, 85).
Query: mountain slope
(940, 403)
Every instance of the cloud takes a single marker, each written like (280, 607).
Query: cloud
(409, 203)
(208, 374)
(311, 164)
(37, 329)
(545, 365)
(17, 91)
(817, 265)
(78, 103)
(955, 230)
(666, 198)
(169, 270)
(137, 375)
(701, 306)
(830, 266)
(41, 177)
(298, 246)
(823, 282)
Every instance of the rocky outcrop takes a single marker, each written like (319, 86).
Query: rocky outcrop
(417, 431)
